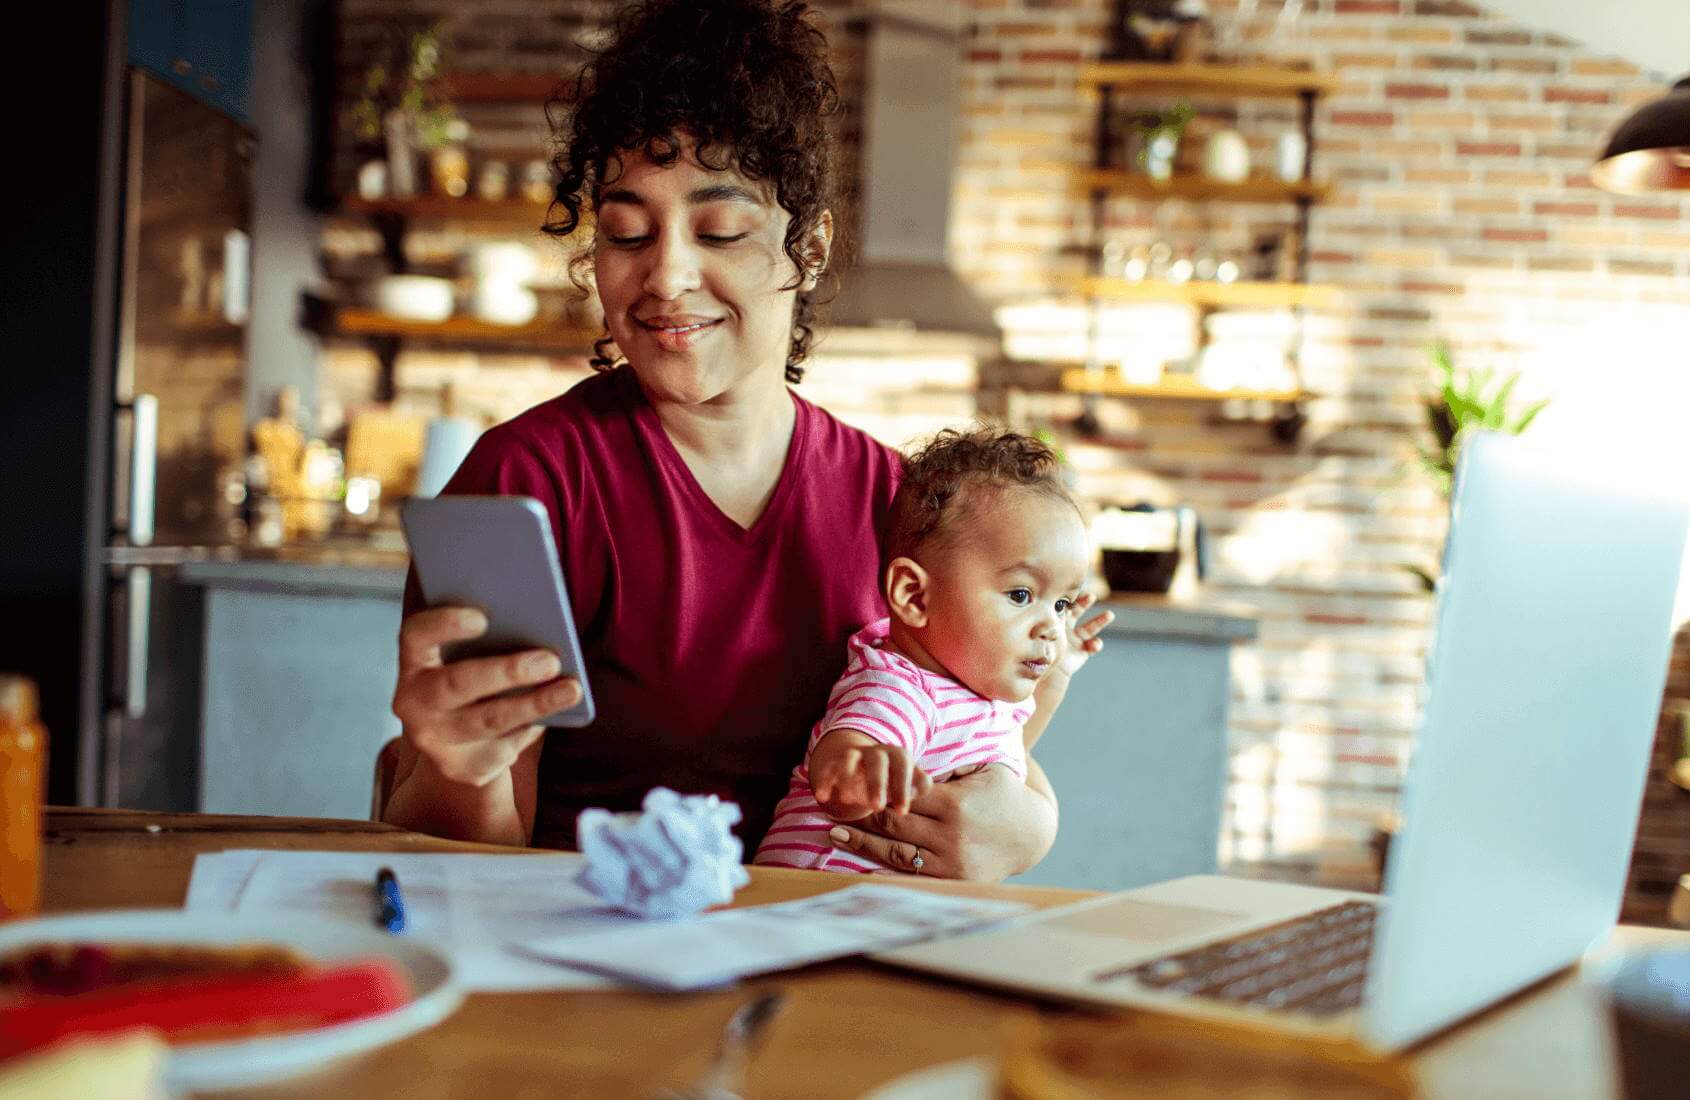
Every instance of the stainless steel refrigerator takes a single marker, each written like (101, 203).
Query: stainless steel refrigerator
(176, 436)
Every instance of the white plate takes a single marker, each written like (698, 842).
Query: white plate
(969, 1079)
(435, 994)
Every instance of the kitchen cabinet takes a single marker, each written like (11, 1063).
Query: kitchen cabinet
(299, 666)
(1138, 752)
(203, 47)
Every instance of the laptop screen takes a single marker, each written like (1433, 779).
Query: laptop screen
(1547, 662)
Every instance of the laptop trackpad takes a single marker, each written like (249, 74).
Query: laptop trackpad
(1145, 921)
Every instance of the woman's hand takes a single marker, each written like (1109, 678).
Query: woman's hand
(448, 711)
(982, 825)
(853, 775)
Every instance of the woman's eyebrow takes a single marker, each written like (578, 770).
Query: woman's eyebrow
(724, 192)
(720, 192)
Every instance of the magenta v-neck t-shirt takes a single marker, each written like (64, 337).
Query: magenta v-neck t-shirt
(710, 647)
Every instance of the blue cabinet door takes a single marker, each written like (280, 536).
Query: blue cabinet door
(203, 47)
(153, 34)
(217, 37)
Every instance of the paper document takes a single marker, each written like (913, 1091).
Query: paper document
(722, 946)
(472, 906)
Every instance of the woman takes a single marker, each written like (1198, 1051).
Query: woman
(717, 532)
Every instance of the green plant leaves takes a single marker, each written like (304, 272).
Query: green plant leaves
(1468, 401)
(407, 81)
(1529, 415)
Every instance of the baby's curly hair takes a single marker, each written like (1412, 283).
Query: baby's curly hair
(938, 480)
(749, 80)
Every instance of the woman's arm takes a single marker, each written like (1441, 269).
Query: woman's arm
(500, 812)
(469, 756)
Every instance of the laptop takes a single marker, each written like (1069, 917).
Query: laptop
(1547, 663)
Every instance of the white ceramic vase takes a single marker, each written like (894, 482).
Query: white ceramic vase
(1227, 157)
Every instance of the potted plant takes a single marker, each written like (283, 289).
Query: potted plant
(1155, 138)
(1466, 402)
(402, 104)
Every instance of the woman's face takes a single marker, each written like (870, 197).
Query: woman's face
(691, 270)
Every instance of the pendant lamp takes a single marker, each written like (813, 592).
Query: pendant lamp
(1650, 151)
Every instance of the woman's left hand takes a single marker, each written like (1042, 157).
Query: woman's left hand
(982, 825)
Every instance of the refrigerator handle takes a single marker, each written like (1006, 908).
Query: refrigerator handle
(143, 467)
(111, 758)
(237, 277)
(138, 616)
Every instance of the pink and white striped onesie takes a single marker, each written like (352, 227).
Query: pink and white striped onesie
(885, 695)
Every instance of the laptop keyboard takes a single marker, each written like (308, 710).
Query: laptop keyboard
(1315, 964)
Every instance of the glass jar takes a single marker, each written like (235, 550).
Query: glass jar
(537, 181)
(1159, 154)
(493, 182)
(23, 775)
(449, 171)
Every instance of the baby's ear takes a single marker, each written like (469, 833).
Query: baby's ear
(906, 592)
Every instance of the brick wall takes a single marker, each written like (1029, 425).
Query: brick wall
(1460, 144)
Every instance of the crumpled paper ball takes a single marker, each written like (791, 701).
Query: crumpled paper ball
(676, 857)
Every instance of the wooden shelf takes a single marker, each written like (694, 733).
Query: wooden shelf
(200, 323)
(1117, 181)
(536, 88)
(547, 337)
(445, 208)
(1146, 79)
(1206, 294)
(1109, 383)
(1220, 80)
(387, 336)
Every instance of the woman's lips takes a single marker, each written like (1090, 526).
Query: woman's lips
(678, 337)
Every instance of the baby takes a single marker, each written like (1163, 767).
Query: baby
(984, 559)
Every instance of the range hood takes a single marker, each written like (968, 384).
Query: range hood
(912, 101)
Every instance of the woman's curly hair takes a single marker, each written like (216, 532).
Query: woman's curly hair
(938, 480)
(749, 80)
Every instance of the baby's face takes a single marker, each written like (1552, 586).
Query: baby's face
(1000, 597)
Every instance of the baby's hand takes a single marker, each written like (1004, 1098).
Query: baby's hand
(1081, 641)
(853, 775)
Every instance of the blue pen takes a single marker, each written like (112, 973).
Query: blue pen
(390, 906)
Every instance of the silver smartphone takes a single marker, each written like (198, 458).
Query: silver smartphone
(497, 554)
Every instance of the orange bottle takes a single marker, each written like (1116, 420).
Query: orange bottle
(23, 755)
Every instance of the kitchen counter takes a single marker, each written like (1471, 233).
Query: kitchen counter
(1203, 620)
(357, 569)
(1138, 752)
(377, 576)
(299, 661)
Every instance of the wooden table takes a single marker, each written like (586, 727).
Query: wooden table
(846, 1028)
